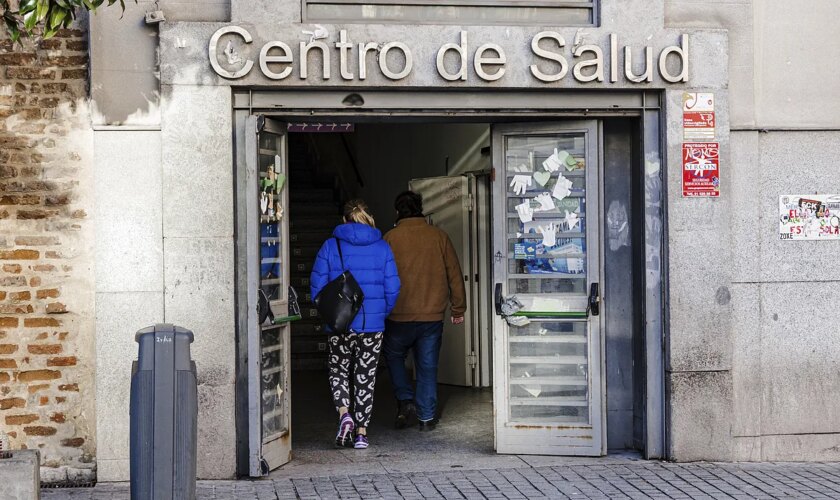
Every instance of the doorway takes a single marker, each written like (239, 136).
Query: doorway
(617, 402)
(449, 165)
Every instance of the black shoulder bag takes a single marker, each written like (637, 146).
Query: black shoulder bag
(339, 301)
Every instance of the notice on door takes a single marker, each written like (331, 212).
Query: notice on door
(809, 217)
(698, 116)
(701, 169)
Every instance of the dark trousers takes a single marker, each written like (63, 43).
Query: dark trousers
(424, 338)
(356, 355)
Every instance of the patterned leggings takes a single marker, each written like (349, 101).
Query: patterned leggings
(356, 355)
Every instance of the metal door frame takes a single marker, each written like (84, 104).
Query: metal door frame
(264, 455)
(487, 106)
(595, 261)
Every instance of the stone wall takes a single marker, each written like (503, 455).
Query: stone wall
(46, 304)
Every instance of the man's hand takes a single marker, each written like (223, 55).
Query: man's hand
(457, 320)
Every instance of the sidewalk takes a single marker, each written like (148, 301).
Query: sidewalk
(613, 479)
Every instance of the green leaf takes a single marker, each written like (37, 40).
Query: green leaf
(43, 9)
(27, 6)
(49, 33)
(57, 17)
(29, 20)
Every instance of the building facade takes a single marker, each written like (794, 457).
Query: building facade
(142, 207)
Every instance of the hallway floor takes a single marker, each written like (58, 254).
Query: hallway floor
(464, 436)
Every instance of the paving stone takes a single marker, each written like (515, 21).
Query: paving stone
(636, 480)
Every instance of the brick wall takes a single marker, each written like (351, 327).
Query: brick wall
(46, 285)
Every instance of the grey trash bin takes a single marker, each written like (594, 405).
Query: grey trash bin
(163, 414)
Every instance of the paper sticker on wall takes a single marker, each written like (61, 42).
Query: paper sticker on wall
(526, 213)
(549, 234)
(618, 233)
(563, 188)
(553, 162)
(546, 202)
(520, 183)
(701, 169)
(698, 116)
(542, 178)
(571, 220)
(809, 217)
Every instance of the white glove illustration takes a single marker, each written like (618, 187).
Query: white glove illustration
(572, 219)
(526, 213)
(563, 188)
(549, 234)
(545, 201)
(520, 183)
(552, 164)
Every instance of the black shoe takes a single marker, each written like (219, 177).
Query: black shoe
(427, 425)
(406, 414)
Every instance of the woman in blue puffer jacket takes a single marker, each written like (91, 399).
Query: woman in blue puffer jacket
(368, 257)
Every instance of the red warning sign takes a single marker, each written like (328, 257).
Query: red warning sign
(701, 169)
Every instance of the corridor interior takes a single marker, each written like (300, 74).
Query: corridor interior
(375, 161)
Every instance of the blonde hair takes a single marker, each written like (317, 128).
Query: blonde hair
(358, 211)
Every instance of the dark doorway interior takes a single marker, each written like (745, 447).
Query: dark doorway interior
(623, 237)
(328, 169)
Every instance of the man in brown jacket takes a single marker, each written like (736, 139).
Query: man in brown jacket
(431, 280)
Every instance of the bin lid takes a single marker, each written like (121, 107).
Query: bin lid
(164, 327)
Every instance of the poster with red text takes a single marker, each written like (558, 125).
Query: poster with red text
(698, 116)
(701, 169)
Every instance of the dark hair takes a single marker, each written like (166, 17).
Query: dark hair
(408, 204)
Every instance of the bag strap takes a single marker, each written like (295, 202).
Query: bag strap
(340, 257)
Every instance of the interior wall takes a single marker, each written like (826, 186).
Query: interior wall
(389, 156)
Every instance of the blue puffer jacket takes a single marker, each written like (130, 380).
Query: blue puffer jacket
(369, 258)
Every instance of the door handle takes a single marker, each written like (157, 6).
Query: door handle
(593, 305)
(497, 298)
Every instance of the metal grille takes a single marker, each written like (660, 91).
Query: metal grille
(476, 12)
(69, 484)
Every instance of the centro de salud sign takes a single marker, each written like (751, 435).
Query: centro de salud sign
(588, 61)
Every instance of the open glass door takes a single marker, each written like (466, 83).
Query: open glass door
(447, 204)
(547, 356)
(269, 402)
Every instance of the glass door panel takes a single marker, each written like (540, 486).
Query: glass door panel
(268, 278)
(548, 353)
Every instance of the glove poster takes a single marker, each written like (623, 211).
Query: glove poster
(809, 217)
(701, 169)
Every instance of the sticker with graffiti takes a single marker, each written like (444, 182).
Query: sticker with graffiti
(809, 217)
(701, 169)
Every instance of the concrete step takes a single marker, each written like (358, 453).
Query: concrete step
(310, 194)
(308, 327)
(299, 208)
(304, 252)
(318, 363)
(302, 268)
(309, 237)
(300, 283)
(302, 346)
(311, 224)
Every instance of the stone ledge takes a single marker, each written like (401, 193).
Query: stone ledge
(19, 474)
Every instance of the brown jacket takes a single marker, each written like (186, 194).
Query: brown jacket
(429, 272)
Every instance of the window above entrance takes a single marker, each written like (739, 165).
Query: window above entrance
(463, 12)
